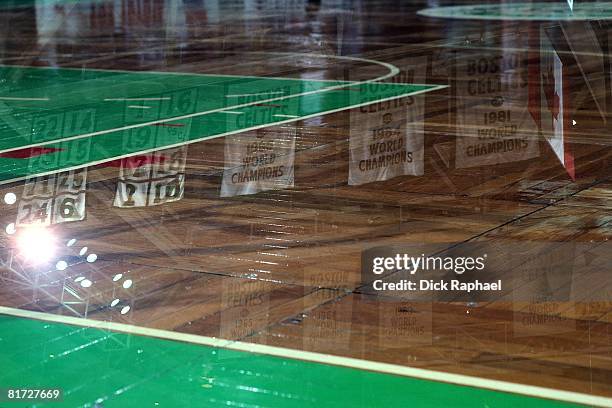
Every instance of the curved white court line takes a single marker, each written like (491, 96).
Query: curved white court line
(393, 369)
(393, 70)
(123, 71)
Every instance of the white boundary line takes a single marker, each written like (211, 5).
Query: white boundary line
(278, 115)
(14, 98)
(393, 369)
(254, 94)
(393, 70)
(135, 99)
(233, 132)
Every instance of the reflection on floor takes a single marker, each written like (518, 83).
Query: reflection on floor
(258, 236)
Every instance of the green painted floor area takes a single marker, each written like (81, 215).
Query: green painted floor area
(106, 115)
(17, 4)
(121, 370)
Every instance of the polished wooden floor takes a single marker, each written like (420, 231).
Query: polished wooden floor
(283, 266)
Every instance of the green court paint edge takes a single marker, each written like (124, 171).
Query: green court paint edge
(94, 360)
(308, 99)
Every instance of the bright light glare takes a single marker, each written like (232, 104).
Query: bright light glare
(10, 198)
(36, 244)
(10, 229)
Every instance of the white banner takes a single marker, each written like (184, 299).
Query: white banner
(259, 163)
(54, 199)
(492, 114)
(152, 179)
(542, 292)
(404, 323)
(551, 80)
(245, 305)
(386, 138)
